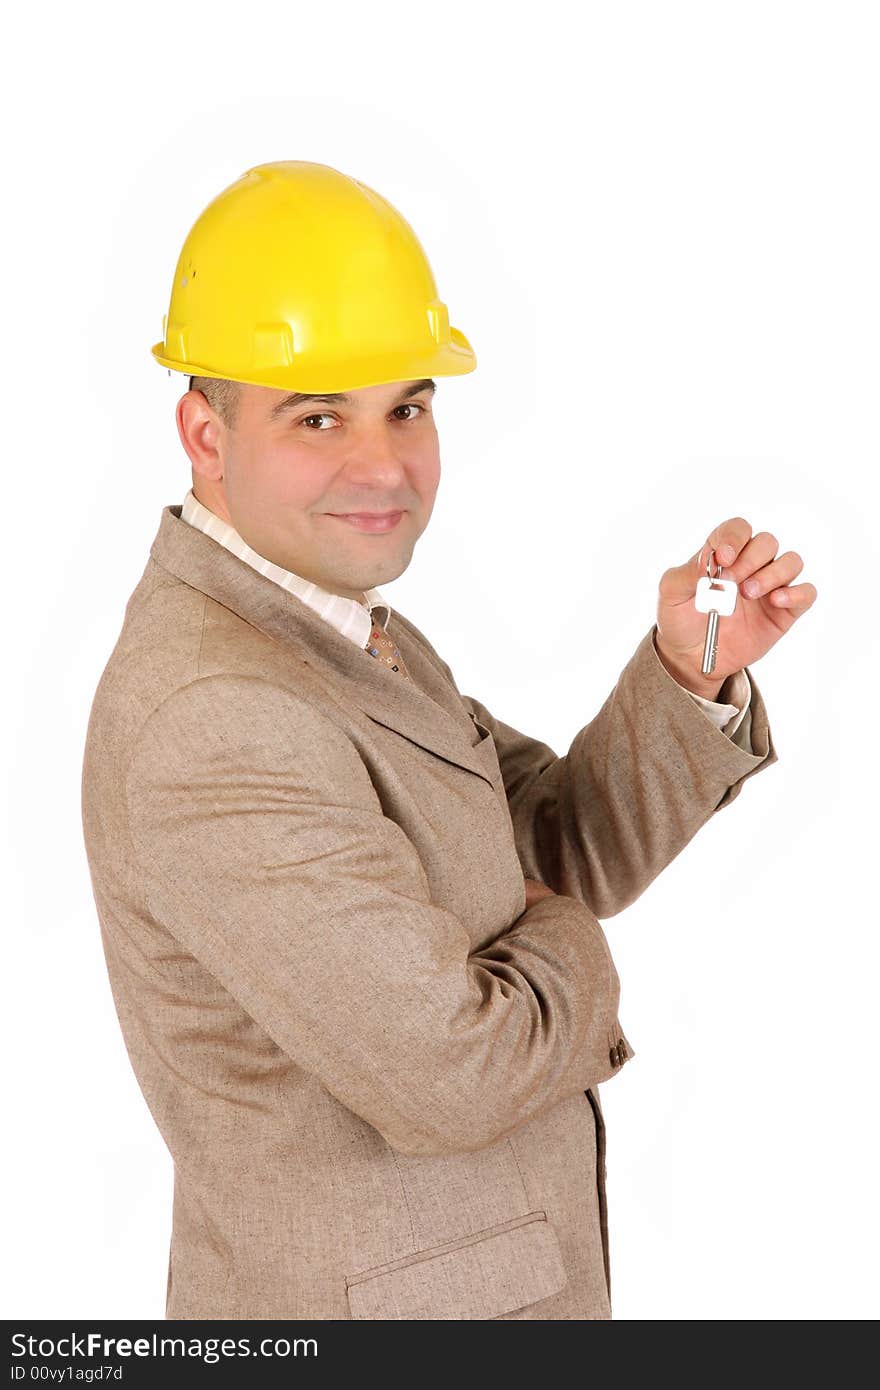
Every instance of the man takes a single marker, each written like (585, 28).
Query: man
(351, 917)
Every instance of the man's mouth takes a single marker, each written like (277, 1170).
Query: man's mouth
(369, 521)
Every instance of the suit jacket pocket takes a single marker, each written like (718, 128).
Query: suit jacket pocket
(481, 1276)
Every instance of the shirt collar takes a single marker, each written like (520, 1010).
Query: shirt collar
(347, 615)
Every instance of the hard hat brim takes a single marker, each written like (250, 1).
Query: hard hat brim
(456, 358)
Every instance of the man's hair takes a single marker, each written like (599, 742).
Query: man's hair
(222, 396)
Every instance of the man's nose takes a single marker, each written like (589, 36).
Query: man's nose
(375, 456)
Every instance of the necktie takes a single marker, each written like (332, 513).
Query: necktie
(382, 647)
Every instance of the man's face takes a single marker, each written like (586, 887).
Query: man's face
(289, 471)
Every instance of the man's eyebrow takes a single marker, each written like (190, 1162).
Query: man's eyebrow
(297, 398)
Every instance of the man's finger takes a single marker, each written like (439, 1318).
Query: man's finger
(727, 540)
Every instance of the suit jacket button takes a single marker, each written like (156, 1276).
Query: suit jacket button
(621, 1050)
(615, 1057)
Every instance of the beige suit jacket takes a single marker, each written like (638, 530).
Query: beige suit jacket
(376, 1073)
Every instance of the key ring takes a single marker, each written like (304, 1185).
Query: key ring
(710, 560)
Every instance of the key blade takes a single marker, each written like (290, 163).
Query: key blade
(710, 648)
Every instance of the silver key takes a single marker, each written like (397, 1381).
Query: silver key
(717, 597)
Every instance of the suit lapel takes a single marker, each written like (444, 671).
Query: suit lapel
(426, 710)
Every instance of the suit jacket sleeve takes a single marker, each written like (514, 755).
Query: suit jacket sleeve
(600, 822)
(263, 848)
(733, 719)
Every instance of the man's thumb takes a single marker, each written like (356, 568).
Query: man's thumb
(680, 582)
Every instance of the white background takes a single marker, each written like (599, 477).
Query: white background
(658, 225)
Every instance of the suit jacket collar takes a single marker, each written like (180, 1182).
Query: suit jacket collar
(427, 710)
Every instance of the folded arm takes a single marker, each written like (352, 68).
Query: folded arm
(267, 855)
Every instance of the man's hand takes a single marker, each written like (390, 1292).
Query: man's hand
(536, 890)
(758, 621)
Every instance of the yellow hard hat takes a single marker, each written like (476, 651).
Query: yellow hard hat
(299, 277)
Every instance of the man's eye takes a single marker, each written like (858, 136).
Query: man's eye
(322, 415)
(407, 405)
